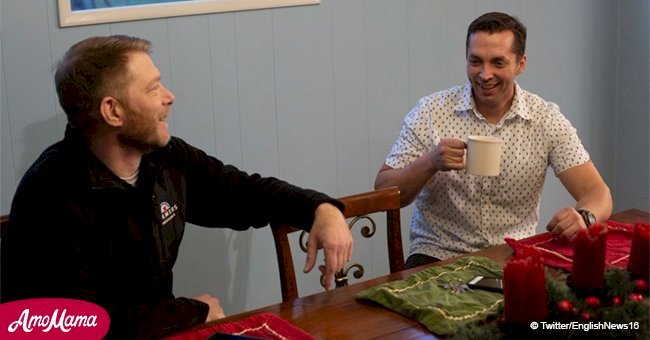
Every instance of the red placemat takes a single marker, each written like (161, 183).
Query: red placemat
(559, 253)
(264, 326)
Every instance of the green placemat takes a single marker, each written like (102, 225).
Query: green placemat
(423, 297)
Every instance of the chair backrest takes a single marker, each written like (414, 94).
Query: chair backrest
(358, 207)
(4, 222)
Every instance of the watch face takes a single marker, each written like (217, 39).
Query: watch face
(588, 217)
(591, 217)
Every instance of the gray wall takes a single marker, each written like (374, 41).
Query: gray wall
(316, 95)
(632, 173)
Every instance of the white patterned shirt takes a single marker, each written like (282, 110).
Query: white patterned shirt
(457, 212)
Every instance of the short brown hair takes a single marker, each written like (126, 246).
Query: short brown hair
(90, 70)
(495, 22)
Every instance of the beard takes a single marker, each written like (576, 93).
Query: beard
(142, 132)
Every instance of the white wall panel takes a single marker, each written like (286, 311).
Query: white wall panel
(387, 51)
(259, 130)
(225, 90)
(302, 39)
(387, 67)
(257, 101)
(354, 171)
(191, 78)
(317, 95)
(7, 172)
(632, 159)
(305, 107)
(428, 27)
(27, 72)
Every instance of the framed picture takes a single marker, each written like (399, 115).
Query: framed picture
(87, 12)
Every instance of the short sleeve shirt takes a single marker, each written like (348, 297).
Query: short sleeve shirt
(457, 212)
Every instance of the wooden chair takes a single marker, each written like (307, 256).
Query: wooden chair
(358, 207)
(4, 222)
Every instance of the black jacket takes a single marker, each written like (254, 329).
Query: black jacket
(78, 231)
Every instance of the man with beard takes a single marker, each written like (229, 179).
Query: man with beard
(456, 212)
(100, 215)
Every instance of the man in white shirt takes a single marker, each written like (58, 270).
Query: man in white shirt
(456, 212)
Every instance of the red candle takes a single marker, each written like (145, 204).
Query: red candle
(524, 288)
(639, 262)
(589, 257)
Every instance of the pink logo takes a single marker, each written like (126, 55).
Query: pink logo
(52, 318)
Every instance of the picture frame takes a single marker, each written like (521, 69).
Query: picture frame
(69, 16)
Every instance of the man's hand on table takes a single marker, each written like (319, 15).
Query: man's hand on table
(215, 312)
(566, 223)
(331, 233)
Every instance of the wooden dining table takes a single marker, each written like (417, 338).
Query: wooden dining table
(337, 314)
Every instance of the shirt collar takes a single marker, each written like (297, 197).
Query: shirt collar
(519, 107)
(99, 175)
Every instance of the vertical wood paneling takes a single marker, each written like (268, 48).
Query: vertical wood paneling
(459, 15)
(387, 67)
(317, 95)
(427, 57)
(225, 90)
(351, 98)
(543, 29)
(228, 135)
(258, 116)
(388, 92)
(25, 49)
(257, 107)
(302, 39)
(191, 81)
(506, 6)
(633, 117)
(7, 172)
(599, 42)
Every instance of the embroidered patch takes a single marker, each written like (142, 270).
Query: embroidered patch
(167, 212)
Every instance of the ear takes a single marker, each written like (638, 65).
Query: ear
(521, 66)
(111, 111)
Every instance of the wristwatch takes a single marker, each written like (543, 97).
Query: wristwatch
(587, 216)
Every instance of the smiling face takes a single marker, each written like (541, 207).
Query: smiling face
(492, 67)
(146, 106)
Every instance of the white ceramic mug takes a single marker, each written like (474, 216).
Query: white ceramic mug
(483, 155)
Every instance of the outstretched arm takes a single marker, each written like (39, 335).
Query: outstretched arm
(590, 192)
